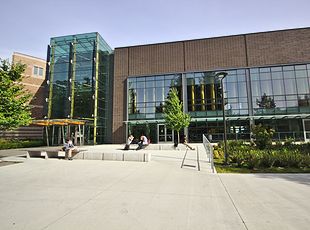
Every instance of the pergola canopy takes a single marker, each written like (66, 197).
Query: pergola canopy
(60, 122)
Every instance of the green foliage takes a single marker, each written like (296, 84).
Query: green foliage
(218, 152)
(247, 156)
(263, 136)
(14, 99)
(266, 102)
(13, 144)
(174, 116)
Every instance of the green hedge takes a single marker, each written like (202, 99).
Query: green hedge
(14, 143)
(247, 156)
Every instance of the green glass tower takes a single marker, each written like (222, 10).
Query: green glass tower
(79, 78)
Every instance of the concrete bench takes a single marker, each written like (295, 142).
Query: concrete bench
(36, 153)
(55, 154)
(114, 156)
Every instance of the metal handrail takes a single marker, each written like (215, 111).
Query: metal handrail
(209, 150)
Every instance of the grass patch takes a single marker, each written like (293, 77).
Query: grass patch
(221, 168)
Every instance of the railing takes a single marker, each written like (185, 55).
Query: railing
(209, 150)
(277, 136)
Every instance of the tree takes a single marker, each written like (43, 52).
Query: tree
(174, 116)
(266, 102)
(14, 99)
(263, 136)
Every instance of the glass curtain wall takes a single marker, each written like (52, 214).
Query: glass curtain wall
(146, 97)
(275, 93)
(79, 82)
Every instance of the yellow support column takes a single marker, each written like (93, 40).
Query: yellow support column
(96, 93)
(73, 79)
(202, 92)
(193, 94)
(212, 94)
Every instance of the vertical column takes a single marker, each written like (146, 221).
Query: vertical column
(47, 78)
(193, 94)
(202, 93)
(249, 98)
(212, 95)
(126, 108)
(69, 82)
(96, 60)
(184, 97)
(50, 80)
(72, 78)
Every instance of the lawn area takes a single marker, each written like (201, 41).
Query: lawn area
(221, 168)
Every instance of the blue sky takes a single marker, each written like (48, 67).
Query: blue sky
(26, 26)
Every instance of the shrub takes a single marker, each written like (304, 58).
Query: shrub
(263, 136)
(252, 158)
(15, 143)
(268, 159)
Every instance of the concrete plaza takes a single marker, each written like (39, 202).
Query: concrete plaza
(116, 195)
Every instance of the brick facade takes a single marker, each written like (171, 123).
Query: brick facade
(240, 51)
(35, 85)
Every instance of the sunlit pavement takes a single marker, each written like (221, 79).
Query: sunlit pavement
(93, 194)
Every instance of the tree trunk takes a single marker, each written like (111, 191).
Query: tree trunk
(177, 140)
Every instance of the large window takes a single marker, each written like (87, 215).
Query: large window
(146, 95)
(281, 89)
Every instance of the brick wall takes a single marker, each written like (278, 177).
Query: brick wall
(258, 49)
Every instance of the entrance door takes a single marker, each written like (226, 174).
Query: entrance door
(164, 134)
(306, 124)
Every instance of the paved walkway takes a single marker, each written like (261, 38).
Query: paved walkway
(91, 194)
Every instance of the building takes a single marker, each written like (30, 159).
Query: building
(267, 78)
(34, 82)
(79, 91)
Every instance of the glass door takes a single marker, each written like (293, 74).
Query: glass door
(306, 125)
(164, 134)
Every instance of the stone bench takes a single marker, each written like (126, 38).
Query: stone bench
(114, 156)
(36, 153)
(55, 154)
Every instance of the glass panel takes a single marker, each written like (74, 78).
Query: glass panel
(256, 88)
(301, 74)
(277, 75)
(254, 77)
(140, 95)
(265, 76)
(159, 83)
(242, 89)
(285, 68)
(150, 84)
(149, 95)
(232, 90)
(160, 96)
(35, 70)
(276, 69)
(254, 70)
(302, 86)
(266, 87)
(240, 71)
(278, 87)
(300, 67)
(290, 86)
(264, 70)
(40, 71)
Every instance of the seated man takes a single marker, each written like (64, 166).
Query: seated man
(143, 142)
(69, 148)
(129, 141)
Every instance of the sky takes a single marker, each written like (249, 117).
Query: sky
(28, 25)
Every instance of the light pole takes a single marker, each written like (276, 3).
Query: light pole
(221, 76)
